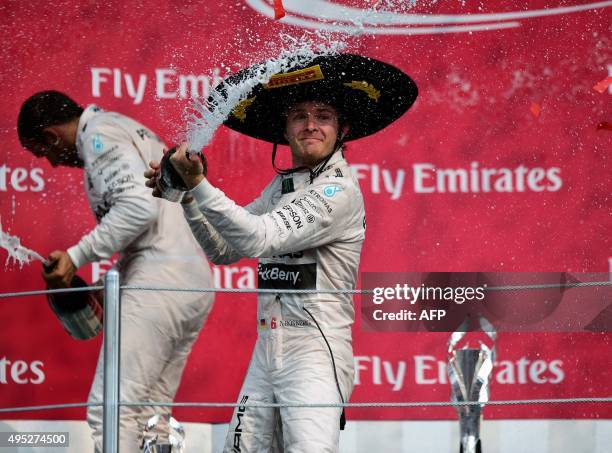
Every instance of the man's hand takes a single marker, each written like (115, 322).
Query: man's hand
(189, 167)
(152, 176)
(61, 270)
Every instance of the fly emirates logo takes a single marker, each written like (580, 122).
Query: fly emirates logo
(21, 372)
(20, 179)
(166, 82)
(429, 178)
(428, 370)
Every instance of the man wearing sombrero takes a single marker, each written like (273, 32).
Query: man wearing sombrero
(307, 228)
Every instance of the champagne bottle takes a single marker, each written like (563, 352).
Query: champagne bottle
(81, 313)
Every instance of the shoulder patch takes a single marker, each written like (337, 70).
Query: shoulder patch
(331, 190)
(96, 143)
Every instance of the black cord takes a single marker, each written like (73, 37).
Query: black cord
(319, 168)
(342, 416)
(284, 171)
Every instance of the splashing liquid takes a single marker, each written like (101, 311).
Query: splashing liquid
(206, 116)
(81, 313)
(17, 252)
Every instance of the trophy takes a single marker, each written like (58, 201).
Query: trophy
(469, 372)
(150, 437)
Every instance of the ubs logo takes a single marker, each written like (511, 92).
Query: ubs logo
(408, 17)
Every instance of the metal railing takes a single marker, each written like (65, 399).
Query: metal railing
(111, 345)
(111, 349)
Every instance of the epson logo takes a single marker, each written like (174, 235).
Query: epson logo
(294, 216)
(21, 179)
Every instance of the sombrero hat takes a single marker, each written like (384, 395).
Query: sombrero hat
(367, 93)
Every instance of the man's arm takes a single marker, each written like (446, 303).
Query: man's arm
(217, 250)
(127, 209)
(318, 215)
(214, 245)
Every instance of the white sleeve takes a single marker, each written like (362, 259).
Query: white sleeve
(214, 245)
(217, 250)
(319, 214)
(127, 208)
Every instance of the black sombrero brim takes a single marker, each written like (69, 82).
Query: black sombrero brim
(367, 93)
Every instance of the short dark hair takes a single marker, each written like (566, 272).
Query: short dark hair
(44, 109)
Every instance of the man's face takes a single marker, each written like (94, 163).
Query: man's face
(311, 130)
(55, 151)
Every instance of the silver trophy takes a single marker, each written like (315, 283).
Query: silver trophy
(469, 372)
(151, 438)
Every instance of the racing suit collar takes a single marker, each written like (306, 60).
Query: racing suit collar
(303, 178)
(329, 163)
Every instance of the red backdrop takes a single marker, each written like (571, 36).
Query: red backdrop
(514, 105)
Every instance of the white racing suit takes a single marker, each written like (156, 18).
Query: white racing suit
(157, 249)
(309, 238)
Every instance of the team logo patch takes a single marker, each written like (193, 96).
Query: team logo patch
(331, 191)
(96, 142)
